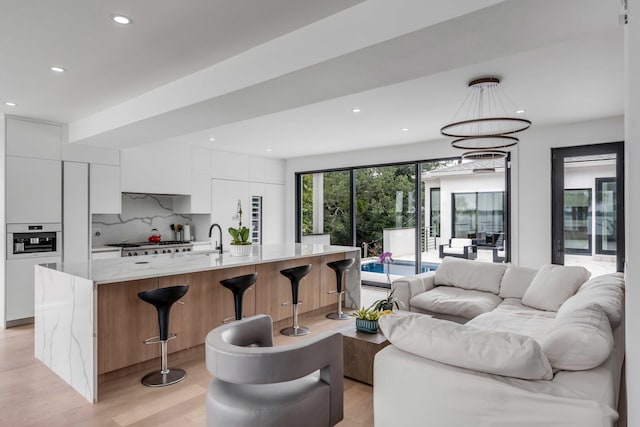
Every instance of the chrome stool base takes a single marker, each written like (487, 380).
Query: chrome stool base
(158, 379)
(295, 332)
(338, 316)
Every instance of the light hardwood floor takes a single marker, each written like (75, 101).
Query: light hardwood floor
(31, 395)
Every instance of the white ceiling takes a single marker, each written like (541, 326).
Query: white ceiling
(279, 78)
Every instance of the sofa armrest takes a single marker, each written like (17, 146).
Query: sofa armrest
(410, 286)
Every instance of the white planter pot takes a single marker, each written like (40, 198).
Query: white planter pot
(240, 250)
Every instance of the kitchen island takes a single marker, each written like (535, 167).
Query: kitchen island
(89, 322)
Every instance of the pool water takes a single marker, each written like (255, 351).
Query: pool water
(398, 268)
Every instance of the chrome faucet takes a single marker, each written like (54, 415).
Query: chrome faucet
(219, 248)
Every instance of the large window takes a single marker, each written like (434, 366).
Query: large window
(326, 208)
(478, 215)
(408, 209)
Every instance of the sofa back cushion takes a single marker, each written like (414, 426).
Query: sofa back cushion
(607, 290)
(516, 281)
(472, 275)
(579, 339)
(499, 353)
(553, 285)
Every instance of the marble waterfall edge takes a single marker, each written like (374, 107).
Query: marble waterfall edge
(65, 324)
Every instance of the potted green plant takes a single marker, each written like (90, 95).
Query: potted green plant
(387, 303)
(240, 244)
(367, 320)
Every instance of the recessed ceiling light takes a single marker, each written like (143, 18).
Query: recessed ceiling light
(212, 139)
(58, 69)
(405, 129)
(121, 19)
(520, 111)
(10, 104)
(356, 110)
(268, 149)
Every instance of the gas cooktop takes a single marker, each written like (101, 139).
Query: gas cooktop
(148, 248)
(140, 244)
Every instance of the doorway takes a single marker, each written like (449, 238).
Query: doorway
(588, 207)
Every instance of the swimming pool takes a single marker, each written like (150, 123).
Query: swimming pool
(398, 268)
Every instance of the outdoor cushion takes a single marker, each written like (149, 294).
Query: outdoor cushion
(460, 243)
(499, 353)
(516, 280)
(553, 285)
(455, 301)
(458, 251)
(467, 274)
(579, 339)
(607, 290)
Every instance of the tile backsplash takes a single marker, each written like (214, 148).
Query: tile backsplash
(140, 213)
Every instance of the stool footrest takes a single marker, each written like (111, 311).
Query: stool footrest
(335, 292)
(284, 304)
(157, 340)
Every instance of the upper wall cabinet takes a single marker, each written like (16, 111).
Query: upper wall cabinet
(33, 139)
(199, 201)
(34, 188)
(106, 197)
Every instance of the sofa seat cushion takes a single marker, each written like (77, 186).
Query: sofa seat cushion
(553, 285)
(460, 243)
(579, 340)
(514, 317)
(472, 275)
(607, 290)
(456, 301)
(447, 342)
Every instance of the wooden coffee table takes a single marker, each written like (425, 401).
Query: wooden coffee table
(359, 350)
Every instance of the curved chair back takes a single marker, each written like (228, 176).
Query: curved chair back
(242, 353)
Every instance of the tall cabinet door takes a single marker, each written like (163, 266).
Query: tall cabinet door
(76, 212)
(225, 195)
(34, 190)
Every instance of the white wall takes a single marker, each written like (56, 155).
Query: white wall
(632, 209)
(531, 219)
(3, 236)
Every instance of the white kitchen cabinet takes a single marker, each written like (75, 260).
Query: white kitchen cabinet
(19, 286)
(199, 199)
(37, 140)
(75, 218)
(106, 254)
(34, 190)
(106, 197)
(273, 218)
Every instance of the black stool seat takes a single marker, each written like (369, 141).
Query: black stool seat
(238, 285)
(340, 267)
(295, 274)
(162, 299)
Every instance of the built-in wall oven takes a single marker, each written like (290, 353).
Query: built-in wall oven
(27, 246)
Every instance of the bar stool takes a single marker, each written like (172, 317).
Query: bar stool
(295, 274)
(162, 299)
(340, 267)
(238, 285)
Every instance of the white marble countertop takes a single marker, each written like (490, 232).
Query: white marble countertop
(147, 266)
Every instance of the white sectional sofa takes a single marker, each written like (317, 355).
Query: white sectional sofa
(500, 345)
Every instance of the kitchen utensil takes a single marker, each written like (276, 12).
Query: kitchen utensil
(155, 236)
